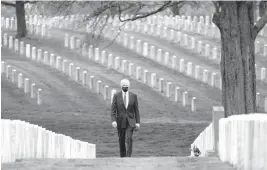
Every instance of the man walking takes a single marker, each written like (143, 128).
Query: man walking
(125, 117)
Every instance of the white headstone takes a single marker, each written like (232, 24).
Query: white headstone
(168, 89)
(265, 50)
(138, 46)
(153, 80)
(152, 52)
(189, 69)
(66, 40)
(117, 63)
(10, 42)
(45, 57)
(161, 81)
(185, 43)
(103, 57)
(145, 49)
(199, 47)
(28, 50)
(263, 73)
(33, 89)
(207, 50)
(185, 98)
(159, 55)
(96, 54)
(177, 94)
(214, 53)
(16, 45)
(166, 58)
(131, 42)
(193, 43)
(174, 62)
(110, 61)
(125, 40)
(21, 49)
(181, 65)
(257, 47)
(26, 85)
(33, 53)
(130, 69)
(123, 66)
(145, 76)
(138, 71)
(193, 104)
(205, 76)
(5, 40)
(39, 97)
(39, 55)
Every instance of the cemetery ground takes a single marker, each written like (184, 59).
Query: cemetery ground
(167, 128)
(150, 163)
(73, 110)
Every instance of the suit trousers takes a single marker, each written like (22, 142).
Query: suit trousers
(126, 141)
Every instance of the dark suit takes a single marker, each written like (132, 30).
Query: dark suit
(126, 119)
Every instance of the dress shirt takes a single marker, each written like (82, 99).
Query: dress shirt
(127, 98)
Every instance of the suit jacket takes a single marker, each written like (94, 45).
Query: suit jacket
(120, 114)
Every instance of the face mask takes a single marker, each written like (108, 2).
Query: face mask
(125, 89)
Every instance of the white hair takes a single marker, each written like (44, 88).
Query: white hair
(125, 83)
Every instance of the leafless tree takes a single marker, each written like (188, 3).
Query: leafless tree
(20, 14)
(238, 29)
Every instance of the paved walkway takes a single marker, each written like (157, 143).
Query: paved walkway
(148, 163)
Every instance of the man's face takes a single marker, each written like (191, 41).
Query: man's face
(124, 88)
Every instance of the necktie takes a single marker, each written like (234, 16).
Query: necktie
(124, 99)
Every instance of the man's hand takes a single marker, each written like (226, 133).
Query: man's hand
(114, 124)
(137, 126)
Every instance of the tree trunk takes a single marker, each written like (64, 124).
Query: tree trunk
(262, 8)
(176, 9)
(21, 22)
(235, 22)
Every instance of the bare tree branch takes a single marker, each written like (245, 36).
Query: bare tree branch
(260, 24)
(8, 4)
(30, 2)
(144, 15)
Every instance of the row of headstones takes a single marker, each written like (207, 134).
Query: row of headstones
(75, 73)
(8, 23)
(177, 22)
(185, 39)
(238, 140)
(242, 141)
(149, 51)
(177, 36)
(206, 143)
(170, 34)
(206, 71)
(22, 140)
(209, 54)
(143, 50)
(214, 77)
(17, 78)
(169, 20)
(11, 23)
(185, 22)
(39, 27)
(162, 30)
(117, 64)
(40, 30)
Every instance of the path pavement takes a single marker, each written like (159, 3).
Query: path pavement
(147, 163)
